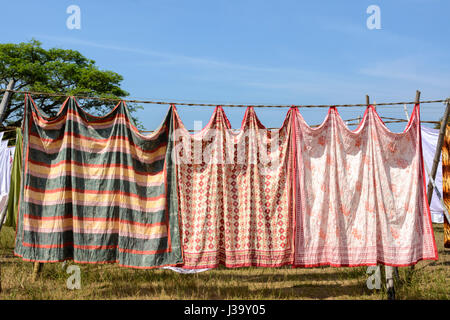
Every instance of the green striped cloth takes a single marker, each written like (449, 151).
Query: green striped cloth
(14, 190)
(96, 191)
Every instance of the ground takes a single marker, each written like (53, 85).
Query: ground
(428, 280)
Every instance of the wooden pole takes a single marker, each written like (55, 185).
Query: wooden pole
(389, 273)
(388, 270)
(406, 112)
(5, 99)
(3, 216)
(37, 266)
(437, 154)
(434, 175)
(3, 104)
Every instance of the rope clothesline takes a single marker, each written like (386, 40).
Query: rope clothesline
(391, 120)
(223, 105)
(404, 120)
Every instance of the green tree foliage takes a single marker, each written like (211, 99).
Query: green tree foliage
(56, 71)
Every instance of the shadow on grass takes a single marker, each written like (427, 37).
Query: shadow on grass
(175, 291)
(324, 291)
(227, 275)
(111, 281)
(195, 291)
(280, 277)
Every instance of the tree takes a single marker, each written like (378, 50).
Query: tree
(29, 67)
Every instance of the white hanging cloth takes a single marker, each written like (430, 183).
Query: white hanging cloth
(186, 271)
(429, 142)
(5, 176)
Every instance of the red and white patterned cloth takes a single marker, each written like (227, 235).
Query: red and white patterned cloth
(302, 196)
(361, 195)
(236, 195)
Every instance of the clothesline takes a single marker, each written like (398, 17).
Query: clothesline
(404, 120)
(223, 105)
(390, 120)
(256, 228)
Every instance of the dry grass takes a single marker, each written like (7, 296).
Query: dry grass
(430, 280)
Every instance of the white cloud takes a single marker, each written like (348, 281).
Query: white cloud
(168, 58)
(413, 69)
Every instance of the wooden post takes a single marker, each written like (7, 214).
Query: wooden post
(3, 104)
(388, 270)
(435, 170)
(406, 112)
(5, 100)
(37, 266)
(437, 154)
(439, 195)
(391, 271)
(3, 216)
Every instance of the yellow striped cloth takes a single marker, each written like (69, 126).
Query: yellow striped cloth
(446, 183)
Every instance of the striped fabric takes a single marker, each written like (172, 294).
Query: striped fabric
(97, 191)
(446, 183)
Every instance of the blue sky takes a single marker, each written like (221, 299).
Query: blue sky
(254, 52)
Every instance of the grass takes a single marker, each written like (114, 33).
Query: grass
(429, 280)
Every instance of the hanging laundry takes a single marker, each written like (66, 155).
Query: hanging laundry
(5, 176)
(429, 143)
(361, 195)
(235, 193)
(446, 183)
(14, 189)
(12, 150)
(95, 190)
